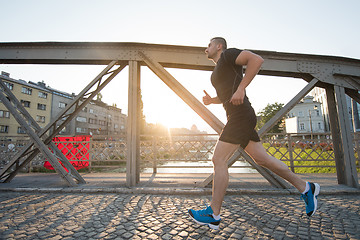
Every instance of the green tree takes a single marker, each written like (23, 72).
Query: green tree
(267, 113)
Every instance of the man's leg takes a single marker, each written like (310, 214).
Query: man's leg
(262, 158)
(210, 215)
(309, 191)
(223, 151)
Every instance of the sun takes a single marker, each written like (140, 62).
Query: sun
(172, 119)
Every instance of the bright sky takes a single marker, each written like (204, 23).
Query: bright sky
(325, 27)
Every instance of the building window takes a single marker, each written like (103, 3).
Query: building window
(25, 103)
(4, 114)
(26, 90)
(21, 130)
(319, 126)
(317, 113)
(4, 129)
(40, 119)
(91, 110)
(92, 121)
(102, 122)
(43, 95)
(302, 126)
(81, 119)
(41, 106)
(81, 130)
(9, 85)
(62, 105)
(301, 114)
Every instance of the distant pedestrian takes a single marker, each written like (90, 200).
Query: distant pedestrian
(230, 84)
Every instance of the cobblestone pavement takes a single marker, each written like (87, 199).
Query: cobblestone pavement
(125, 216)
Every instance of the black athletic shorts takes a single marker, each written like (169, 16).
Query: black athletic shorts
(240, 126)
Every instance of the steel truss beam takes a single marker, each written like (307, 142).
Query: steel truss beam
(336, 74)
(23, 118)
(41, 139)
(342, 140)
(133, 126)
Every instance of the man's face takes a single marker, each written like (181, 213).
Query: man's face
(211, 50)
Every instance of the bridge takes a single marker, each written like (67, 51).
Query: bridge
(339, 76)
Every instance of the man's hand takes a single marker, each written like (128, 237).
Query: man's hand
(207, 99)
(238, 97)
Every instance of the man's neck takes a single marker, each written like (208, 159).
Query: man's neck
(217, 57)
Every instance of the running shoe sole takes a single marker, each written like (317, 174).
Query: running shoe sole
(315, 194)
(211, 225)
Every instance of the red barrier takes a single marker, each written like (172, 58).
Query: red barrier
(73, 148)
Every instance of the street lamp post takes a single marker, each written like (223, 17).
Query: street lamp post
(311, 129)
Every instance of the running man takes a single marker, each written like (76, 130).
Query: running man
(230, 84)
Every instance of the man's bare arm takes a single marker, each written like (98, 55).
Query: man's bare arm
(253, 64)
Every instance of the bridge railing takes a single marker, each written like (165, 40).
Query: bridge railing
(161, 153)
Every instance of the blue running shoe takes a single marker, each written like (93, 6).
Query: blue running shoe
(310, 198)
(205, 217)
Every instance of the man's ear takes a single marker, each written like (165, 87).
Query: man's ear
(219, 46)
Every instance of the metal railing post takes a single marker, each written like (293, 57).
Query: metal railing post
(154, 141)
(291, 149)
(90, 154)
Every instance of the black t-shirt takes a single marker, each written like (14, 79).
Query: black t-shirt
(227, 76)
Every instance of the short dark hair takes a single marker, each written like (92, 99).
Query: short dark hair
(220, 40)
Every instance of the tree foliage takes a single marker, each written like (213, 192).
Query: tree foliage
(267, 113)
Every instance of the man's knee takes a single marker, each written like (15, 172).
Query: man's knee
(261, 159)
(218, 161)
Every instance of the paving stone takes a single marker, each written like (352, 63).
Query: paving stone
(103, 234)
(166, 236)
(126, 216)
(127, 235)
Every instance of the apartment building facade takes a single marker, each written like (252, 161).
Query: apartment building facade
(35, 99)
(45, 104)
(98, 118)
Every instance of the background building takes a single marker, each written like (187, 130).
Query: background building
(306, 117)
(319, 95)
(35, 99)
(98, 118)
(45, 103)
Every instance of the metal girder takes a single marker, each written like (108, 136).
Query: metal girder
(276, 63)
(43, 137)
(353, 94)
(31, 126)
(340, 131)
(350, 175)
(133, 127)
(211, 119)
(21, 118)
(329, 72)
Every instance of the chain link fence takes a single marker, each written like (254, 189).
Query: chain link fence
(108, 153)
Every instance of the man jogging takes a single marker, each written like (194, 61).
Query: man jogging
(230, 84)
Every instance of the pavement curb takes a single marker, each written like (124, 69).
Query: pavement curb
(177, 191)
